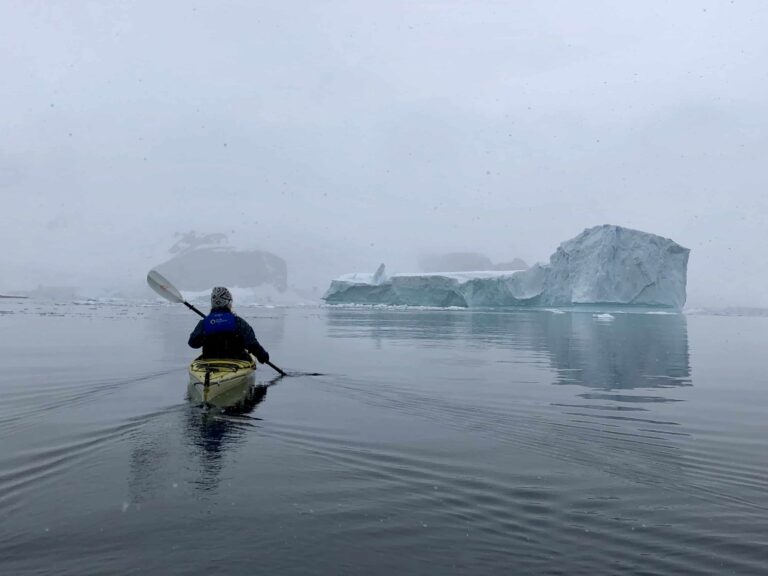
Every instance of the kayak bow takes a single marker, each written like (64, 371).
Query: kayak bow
(210, 379)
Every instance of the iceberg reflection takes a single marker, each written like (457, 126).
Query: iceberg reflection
(492, 372)
(633, 350)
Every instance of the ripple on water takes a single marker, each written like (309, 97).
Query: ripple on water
(444, 447)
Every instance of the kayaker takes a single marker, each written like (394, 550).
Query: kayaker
(223, 334)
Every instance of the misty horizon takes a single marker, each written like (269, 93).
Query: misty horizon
(343, 135)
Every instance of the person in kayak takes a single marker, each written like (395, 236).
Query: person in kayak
(222, 334)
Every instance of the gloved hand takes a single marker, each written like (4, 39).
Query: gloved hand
(263, 358)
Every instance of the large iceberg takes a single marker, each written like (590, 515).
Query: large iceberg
(200, 260)
(602, 265)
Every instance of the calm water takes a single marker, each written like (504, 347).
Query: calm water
(437, 442)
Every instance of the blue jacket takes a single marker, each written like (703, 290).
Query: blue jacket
(222, 334)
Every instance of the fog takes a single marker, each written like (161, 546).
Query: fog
(340, 135)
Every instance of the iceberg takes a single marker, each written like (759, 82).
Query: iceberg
(202, 260)
(604, 265)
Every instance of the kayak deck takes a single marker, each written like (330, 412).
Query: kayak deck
(212, 378)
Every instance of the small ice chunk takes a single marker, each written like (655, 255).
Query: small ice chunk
(604, 317)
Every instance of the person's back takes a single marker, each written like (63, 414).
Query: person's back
(222, 334)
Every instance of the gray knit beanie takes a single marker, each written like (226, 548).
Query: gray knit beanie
(221, 298)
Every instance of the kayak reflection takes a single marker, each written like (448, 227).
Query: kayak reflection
(240, 401)
(213, 430)
(205, 435)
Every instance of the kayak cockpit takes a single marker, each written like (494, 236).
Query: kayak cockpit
(210, 378)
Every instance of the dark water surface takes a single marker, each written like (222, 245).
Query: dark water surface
(437, 442)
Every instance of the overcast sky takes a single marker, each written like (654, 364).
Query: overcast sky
(343, 134)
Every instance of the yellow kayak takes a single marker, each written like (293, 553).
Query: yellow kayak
(214, 380)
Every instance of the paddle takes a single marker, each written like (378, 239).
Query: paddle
(159, 284)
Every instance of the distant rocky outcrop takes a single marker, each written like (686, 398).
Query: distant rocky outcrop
(465, 262)
(514, 264)
(201, 261)
(455, 262)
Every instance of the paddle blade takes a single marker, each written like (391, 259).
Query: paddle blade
(160, 285)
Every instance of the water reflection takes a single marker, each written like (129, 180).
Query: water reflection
(615, 373)
(212, 431)
(630, 351)
(625, 351)
(208, 434)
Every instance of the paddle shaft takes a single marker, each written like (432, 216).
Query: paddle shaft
(188, 305)
(275, 368)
